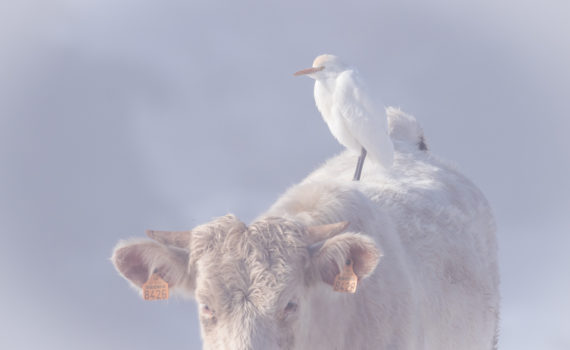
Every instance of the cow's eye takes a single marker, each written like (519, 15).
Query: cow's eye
(290, 308)
(206, 311)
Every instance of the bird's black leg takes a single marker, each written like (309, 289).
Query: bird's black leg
(359, 165)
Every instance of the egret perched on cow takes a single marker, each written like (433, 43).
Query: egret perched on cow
(419, 240)
(350, 114)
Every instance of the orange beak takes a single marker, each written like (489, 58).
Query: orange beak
(309, 71)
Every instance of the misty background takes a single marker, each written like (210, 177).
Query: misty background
(119, 116)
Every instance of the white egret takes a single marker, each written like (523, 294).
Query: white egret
(352, 117)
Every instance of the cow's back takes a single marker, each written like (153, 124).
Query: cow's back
(436, 286)
(437, 235)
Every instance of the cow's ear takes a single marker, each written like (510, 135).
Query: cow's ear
(335, 251)
(137, 260)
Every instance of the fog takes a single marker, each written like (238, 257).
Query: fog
(118, 116)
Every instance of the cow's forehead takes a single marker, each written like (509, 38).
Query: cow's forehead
(267, 240)
(254, 264)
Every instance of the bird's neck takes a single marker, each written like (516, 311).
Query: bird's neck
(324, 90)
(327, 85)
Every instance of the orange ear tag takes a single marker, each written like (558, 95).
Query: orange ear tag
(155, 288)
(346, 280)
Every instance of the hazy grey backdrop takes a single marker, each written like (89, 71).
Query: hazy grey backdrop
(118, 116)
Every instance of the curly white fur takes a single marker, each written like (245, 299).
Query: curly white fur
(421, 236)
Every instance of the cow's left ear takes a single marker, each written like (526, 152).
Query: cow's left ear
(136, 260)
(335, 251)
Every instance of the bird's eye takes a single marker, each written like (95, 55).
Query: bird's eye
(290, 308)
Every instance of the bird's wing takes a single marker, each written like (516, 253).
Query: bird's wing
(366, 124)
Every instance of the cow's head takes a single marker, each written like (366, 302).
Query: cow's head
(250, 282)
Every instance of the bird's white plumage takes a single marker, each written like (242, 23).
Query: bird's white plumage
(352, 117)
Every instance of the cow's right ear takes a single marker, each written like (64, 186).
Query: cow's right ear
(136, 260)
(336, 251)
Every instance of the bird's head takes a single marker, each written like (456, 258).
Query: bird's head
(324, 67)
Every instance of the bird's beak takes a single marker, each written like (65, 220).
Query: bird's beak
(309, 71)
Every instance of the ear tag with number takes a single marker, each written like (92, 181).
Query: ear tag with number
(155, 288)
(346, 280)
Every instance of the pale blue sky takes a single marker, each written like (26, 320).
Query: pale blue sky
(118, 116)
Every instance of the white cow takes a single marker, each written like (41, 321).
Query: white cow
(421, 238)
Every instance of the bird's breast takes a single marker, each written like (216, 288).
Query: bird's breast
(324, 100)
(337, 125)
